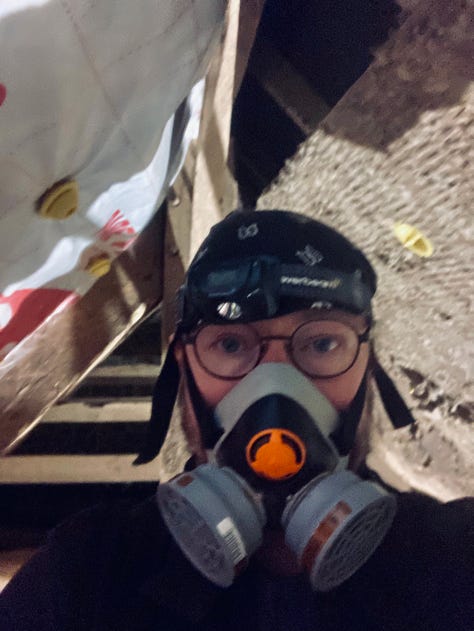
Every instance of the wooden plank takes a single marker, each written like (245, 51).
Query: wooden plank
(250, 13)
(215, 190)
(11, 561)
(73, 469)
(108, 372)
(52, 361)
(205, 190)
(289, 89)
(82, 412)
(120, 382)
(173, 270)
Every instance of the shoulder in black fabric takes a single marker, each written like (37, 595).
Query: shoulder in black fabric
(421, 575)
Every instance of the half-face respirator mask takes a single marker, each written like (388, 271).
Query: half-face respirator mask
(276, 465)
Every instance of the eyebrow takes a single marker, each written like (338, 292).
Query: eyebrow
(358, 322)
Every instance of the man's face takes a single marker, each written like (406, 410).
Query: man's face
(340, 390)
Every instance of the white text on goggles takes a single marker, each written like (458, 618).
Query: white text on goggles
(319, 348)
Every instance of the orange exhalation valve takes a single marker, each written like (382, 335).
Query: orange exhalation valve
(275, 454)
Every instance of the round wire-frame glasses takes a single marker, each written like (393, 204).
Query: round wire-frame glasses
(318, 348)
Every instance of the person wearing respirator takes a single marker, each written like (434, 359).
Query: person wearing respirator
(269, 526)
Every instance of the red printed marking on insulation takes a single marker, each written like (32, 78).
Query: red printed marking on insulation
(118, 233)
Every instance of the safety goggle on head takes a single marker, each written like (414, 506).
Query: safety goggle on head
(261, 287)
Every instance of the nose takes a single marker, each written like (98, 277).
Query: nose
(275, 351)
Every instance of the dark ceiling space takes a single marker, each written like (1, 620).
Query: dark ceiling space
(329, 43)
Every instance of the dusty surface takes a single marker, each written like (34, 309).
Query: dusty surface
(399, 146)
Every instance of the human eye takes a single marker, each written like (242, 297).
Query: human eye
(321, 339)
(230, 344)
(321, 345)
(324, 344)
(228, 341)
(324, 348)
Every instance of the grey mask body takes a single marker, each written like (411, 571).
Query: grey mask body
(275, 465)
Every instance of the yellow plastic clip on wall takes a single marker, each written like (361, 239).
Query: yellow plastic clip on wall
(99, 266)
(60, 201)
(413, 239)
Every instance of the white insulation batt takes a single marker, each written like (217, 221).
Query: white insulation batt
(88, 95)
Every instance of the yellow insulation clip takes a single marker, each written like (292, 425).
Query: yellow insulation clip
(61, 201)
(413, 239)
(99, 266)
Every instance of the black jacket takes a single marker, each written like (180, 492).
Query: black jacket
(116, 568)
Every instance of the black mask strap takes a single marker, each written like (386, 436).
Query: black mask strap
(394, 405)
(164, 396)
(392, 400)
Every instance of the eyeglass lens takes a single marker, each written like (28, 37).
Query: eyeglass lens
(319, 348)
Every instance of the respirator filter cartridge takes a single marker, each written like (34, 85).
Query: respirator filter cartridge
(334, 524)
(215, 518)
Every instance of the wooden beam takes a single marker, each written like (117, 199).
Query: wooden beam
(205, 190)
(215, 190)
(288, 88)
(72, 469)
(11, 561)
(117, 411)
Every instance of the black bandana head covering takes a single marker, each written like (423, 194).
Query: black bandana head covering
(262, 264)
